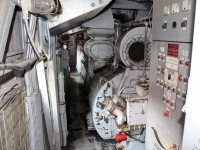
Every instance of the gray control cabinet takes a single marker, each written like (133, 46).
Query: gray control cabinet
(173, 23)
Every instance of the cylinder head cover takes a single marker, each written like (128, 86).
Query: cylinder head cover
(99, 49)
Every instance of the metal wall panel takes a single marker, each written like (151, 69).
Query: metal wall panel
(169, 72)
(169, 16)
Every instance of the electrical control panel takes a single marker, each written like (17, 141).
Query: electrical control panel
(173, 71)
(172, 32)
(168, 90)
(173, 20)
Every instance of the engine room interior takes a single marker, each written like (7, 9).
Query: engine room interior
(99, 75)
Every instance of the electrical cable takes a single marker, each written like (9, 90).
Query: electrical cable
(30, 38)
(157, 138)
(132, 137)
(136, 139)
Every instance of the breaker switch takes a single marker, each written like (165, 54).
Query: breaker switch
(181, 62)
(166, 113)
(158, 81)
(163, 57)
(169, 88)
(167, 101)
(169, 76)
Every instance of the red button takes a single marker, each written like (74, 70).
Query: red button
(120, 137)
(181, 62)
(166, 113)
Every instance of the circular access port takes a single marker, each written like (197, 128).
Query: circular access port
(136, 51)
(174, 24)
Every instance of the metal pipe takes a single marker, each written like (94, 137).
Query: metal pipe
(20, 66)
(14, 53)
(114, 109)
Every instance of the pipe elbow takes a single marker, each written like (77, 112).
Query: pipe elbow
(119, 116)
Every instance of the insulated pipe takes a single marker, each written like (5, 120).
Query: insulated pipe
(20, 66)
(114, 110)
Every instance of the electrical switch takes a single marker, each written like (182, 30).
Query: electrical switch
(164, 26)
(163, 70)
(167, 101)
(158, 81)
(166, 113)
(185, 5)
(184, 23)
(181, 62)
(166, 10)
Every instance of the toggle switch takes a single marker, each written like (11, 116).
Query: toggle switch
(164, 26)
(180, 77)
(184, 24)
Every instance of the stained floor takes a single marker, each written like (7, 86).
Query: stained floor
(79, 137)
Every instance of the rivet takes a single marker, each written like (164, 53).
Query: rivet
(92, 4)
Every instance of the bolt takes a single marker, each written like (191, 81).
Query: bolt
(100, 1)
(92, 4)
